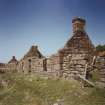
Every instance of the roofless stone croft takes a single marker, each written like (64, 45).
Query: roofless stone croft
(75, 60)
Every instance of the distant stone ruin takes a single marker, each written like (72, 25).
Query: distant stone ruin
(76, 59)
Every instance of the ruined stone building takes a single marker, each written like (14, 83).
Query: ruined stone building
(68, 62)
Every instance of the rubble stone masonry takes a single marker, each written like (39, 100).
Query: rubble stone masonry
(67, 63)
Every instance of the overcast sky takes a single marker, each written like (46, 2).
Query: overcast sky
(46, 23)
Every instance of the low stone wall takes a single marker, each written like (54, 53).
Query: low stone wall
(11, 67)
(31, 64)
(100, 63)
(74, 64)
(53, 64)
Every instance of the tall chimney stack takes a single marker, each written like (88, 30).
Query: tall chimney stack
(78, 24)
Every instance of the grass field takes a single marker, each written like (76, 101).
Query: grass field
(34, 90)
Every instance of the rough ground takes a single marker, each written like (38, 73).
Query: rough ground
(34, 90)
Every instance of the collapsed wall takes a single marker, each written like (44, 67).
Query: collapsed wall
(100, 67)
(11, 66)
(3, 68)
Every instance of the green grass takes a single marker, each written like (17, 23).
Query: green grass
(95, 75)
(34, 90)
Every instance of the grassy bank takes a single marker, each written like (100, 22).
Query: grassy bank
(33, 90)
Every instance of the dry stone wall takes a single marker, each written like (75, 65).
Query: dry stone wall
(73, 65)
(53, 65)
(69, 62)
(31, 64)
(100, 63)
